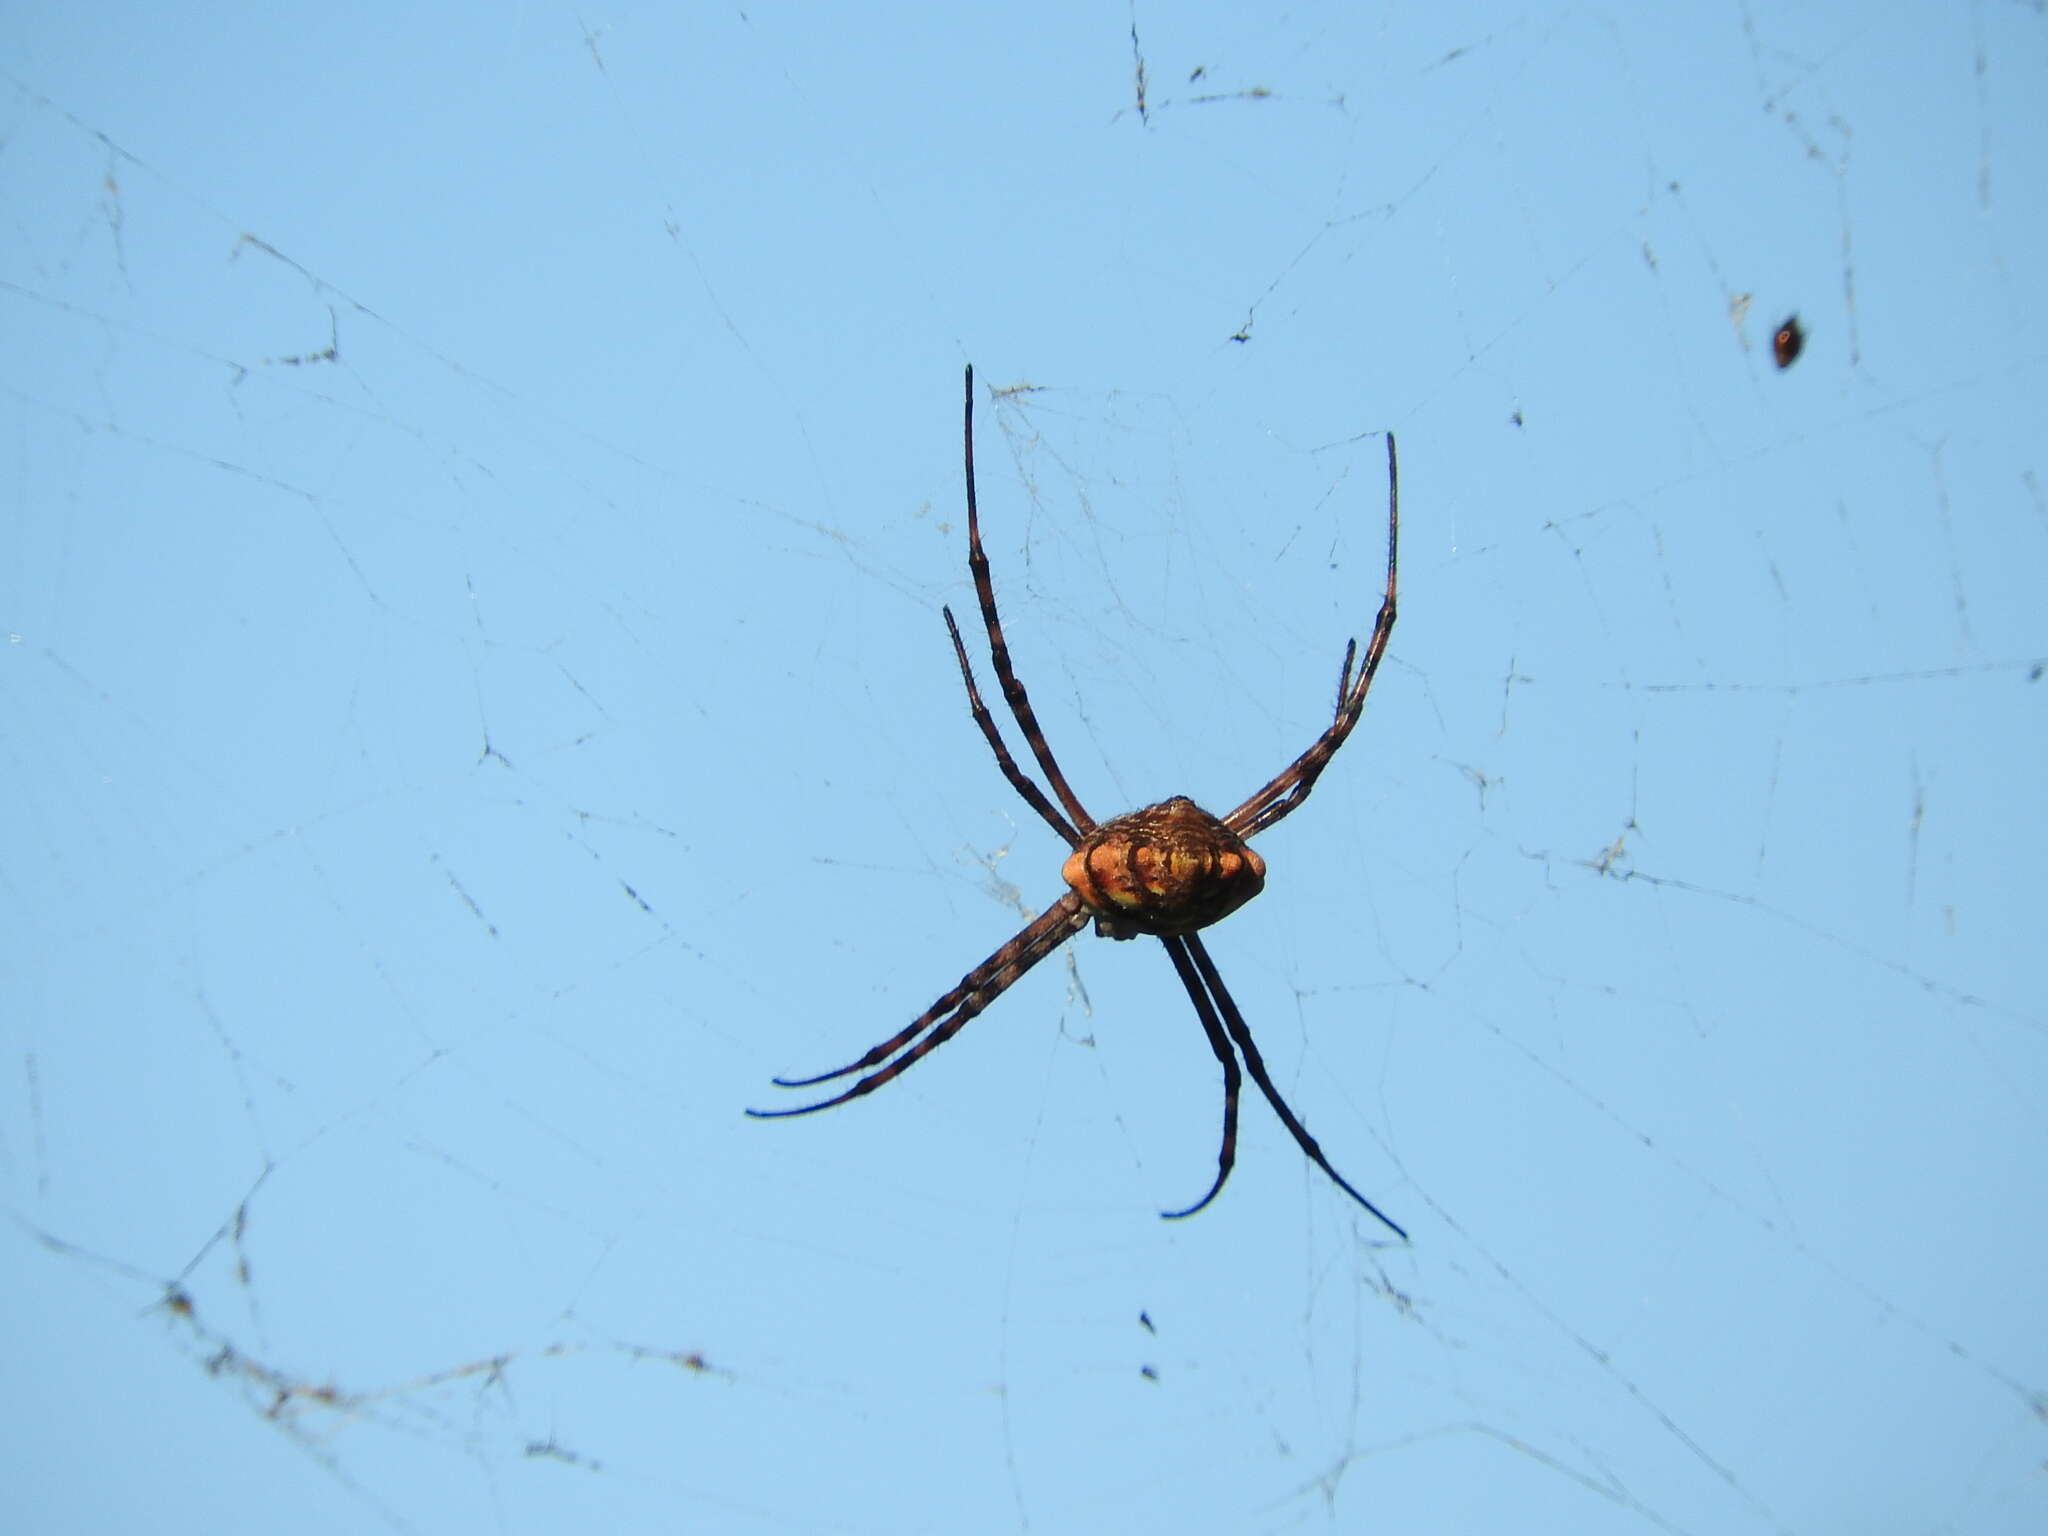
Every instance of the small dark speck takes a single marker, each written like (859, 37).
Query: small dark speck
(1787, 342)
(1148, 1373)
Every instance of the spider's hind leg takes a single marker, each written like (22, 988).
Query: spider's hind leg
(1240, 1032)
(1233, 1078)
(976, 990)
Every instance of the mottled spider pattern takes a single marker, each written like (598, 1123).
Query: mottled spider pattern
(1167, 871)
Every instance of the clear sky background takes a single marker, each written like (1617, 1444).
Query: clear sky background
(477, 489)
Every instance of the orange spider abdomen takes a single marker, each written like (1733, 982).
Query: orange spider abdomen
(1171, 868)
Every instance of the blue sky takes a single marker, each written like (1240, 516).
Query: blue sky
(480, 488)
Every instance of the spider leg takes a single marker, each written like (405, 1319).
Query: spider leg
(1241, 1033)
(1233, 1079)
(1289, 787)
(1344, 673)
(1019, 780)
(999, 650)
(977, 989)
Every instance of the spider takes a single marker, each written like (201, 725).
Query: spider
(1169, 870)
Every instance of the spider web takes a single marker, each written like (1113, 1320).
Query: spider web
(476, 708)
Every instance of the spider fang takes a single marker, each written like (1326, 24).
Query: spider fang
(1171, 868)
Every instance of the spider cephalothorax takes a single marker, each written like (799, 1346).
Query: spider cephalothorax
(1169, 870)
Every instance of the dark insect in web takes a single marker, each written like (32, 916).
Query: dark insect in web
(1788, 341)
